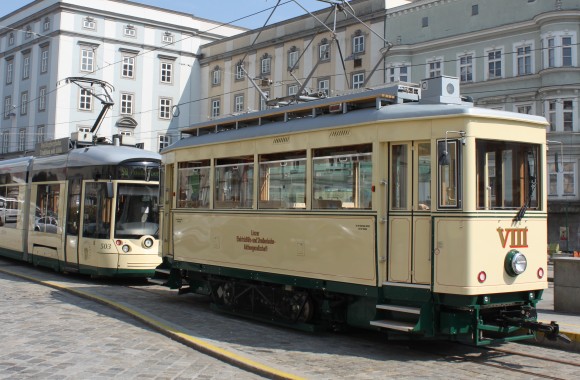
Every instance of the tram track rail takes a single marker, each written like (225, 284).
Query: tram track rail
(504, 359)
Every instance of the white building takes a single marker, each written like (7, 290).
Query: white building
(148, 54)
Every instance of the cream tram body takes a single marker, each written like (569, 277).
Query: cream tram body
(90, 210)
(357, 208)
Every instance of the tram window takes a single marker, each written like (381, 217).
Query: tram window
(282, 181)
(399, 177)
(449, 181)
(136, 213)
(342, 177)
(507, 175)
(424, 188)
(47, 202)
(97, 211)
(193, 184)
(234, 182)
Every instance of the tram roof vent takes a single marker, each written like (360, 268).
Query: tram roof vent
(440, 90)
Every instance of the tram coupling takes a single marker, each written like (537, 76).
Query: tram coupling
(521, 318)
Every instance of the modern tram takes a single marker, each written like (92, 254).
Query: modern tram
(81, 207)
(403, 209)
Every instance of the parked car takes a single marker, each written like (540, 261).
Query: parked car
(47, 224)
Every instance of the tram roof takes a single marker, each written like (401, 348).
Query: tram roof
(306, 121)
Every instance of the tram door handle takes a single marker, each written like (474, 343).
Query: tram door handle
(383, 219)
(384, 182)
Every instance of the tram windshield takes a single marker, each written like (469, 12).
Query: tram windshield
(136, 212)
(507, 175)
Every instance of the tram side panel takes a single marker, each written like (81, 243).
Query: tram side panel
(335, 248)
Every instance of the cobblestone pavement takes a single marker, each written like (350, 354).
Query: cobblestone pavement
(352, 355)
(50, 334)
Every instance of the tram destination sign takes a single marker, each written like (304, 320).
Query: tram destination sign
(49, 148)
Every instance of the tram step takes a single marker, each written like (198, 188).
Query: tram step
(157, 281)
(402, 309)
(394, 325)
(163, 271)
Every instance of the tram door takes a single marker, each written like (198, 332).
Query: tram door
(73, 223)
(409, 227)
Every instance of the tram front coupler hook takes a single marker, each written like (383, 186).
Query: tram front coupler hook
(551, 330)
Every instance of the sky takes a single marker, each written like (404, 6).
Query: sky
(224, 11)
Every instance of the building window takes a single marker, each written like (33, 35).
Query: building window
(22, 139)
(28, 32)
(524, 60)
(24, 103)
(42, 99)
(324, 86)
(26, 67)
(216, 76)
(434, 68)
(129, 31)
(89, 23)
(466, 68)
(126, 104)
(240, 71)
(562, 115)
(7, 107)
(46, 24)
(44, 61)
(166, 72)
(358, 43)
(238, 103)
(397, 73)
(87, 59)
(292, 89)
(494, 64)
(165, 108)
(128, 70)
(215, 108)
(85, 100)
(40, 134)
(11, 39)
(566, 51)
(164, 141)
(551, 52)
(292, 58)
(324, 50)
(425, 22)
(167, 38)
(5, 141)
(562, 178)
(358, 80)
(266, 64)
(524, 108)
(474, 10)
(9, 71)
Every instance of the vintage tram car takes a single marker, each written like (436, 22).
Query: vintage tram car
(404, 209)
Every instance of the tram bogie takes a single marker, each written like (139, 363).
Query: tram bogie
(420, 214)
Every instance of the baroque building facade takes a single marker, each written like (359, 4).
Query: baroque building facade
(147, 54)
(517, 55)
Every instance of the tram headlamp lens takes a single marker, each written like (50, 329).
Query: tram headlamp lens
(125, 248)
(148, 243)
(515, 263)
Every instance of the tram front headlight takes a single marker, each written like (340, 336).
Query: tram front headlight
(148, 243)
(126, 248)
(515, 263)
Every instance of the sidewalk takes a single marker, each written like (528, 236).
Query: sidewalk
(569, 323)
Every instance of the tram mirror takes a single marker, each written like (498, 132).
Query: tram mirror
(109, 189)
(444, 158)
